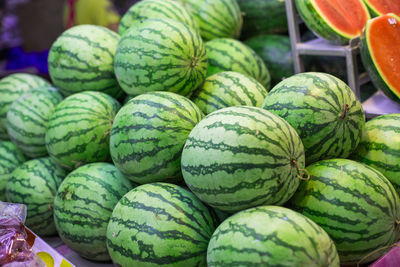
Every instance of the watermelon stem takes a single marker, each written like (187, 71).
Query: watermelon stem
(301, 172)
(194, 62)
(377, 250)
(346, 109)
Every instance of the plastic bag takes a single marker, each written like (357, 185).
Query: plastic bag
(14, 248)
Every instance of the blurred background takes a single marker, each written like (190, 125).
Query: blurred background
(29, 27)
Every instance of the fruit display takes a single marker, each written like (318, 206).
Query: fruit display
(228, 89)
(334, 20)
(82, 58)
(83, 206)
(174, 143)
(381, 55)
(323, 110)
(148, 135)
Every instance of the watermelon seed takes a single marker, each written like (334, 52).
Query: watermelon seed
(346, 109)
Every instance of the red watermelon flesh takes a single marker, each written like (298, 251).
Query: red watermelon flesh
(346, 16)
(384, 46)
(384, 6)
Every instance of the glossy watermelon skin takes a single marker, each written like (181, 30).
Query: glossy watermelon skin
(379, 147)
(241, 157)
(324, 111)
(319, 25)
(263, 17)
(372, 68)
(355, 204)
(156, 9)
(271, 236)
(276, 53)
(160, 55)
(160, 224)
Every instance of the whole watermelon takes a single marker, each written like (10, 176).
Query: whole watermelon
(83, 207)
(79, 130)
(242, 157)
(12, 87)
(160, 224)
(10, 158)
(147, 9)
(82, 58)
(28, 117)
(148, 135)
(263, 16)
(228, 89)
(323, 110)
(276, 53)
(271, 236)
(160, 55)
(232, 55)
(380, 147)
(35, 183)
(216, 18)
(355, 204)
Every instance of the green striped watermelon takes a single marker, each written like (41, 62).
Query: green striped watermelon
(12, 87)
(35, 183)
(160, 224)
(227, 89)
(78, 131)
(160, 55)
(82, 59)
(231, 55)
(271, 236)
(276, 53)
(241, 157)
(27, 119)
(323, 110)
(380, 147)
(355, 204)
(10, 158)
(380, 53)
(216, 18)
(263, 16)
(83, 207)
(148, 135)
(156, 9)
(337, 21)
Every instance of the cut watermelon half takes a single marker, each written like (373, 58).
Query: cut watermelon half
(335, 20)
(381, 7)
(380, 52)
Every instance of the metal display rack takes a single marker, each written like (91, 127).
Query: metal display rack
(377, 104)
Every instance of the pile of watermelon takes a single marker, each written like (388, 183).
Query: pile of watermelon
(165, 145)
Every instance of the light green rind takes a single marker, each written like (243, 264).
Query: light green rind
(79, 129)
(147, 9)
(35, 183)
(83, 206)
(315, 105)
(380, 147)
(12, 87)
(232, 55)
(82, 59)
(271, 236)
(27, 119)
(10, 158)
(216, 18)
(160, 55)
(227, 89)
(160, 224)
(355, 204)
(148, 135)
(242, 157)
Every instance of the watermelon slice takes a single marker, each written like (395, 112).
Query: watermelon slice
(380, 53)
(380, 7)
(337, 21)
